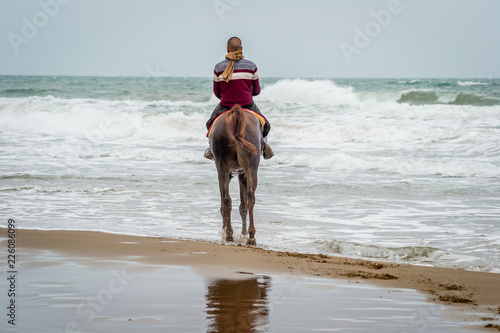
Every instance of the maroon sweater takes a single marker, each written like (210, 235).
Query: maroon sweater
(244, 83)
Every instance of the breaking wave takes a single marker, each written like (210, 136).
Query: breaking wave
(471, 83)
(427, 97)
(326, 92)
(309, 92)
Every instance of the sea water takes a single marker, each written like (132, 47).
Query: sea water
(402, 170)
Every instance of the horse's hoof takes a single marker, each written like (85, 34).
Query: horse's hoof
(229, 239)
(252, 242)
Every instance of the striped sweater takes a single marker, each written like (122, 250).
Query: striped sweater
(244, 83)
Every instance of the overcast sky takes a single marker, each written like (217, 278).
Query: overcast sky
(285, 38)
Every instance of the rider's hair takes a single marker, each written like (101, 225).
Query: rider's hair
(234, 44)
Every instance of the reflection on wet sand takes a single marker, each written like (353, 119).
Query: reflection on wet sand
(238, 305)
(68, 291)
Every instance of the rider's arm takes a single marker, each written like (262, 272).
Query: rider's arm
(217, 91)
(255, 83)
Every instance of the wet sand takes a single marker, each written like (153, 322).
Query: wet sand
(71, 281)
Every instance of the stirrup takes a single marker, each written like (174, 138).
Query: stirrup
(209, 155)
(268, 152)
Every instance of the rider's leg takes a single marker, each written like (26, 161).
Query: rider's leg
(267, 152)
(218, 110)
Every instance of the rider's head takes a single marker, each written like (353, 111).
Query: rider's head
(234, 44)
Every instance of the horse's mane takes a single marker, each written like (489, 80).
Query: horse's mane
(235, 121)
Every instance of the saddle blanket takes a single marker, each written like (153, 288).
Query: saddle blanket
(259, 117)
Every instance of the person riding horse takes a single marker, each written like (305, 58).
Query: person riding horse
(236, 81)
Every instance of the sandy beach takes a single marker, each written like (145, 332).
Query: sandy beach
(61, 258)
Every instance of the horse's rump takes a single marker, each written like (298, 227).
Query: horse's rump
(236, 125)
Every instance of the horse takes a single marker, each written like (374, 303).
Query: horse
(236, 142)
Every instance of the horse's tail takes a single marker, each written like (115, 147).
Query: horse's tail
(235, 121)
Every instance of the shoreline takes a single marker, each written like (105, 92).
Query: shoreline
(469, 292)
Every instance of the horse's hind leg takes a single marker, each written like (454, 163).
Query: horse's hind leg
(243, 203)
(252, 186)
(225, 208)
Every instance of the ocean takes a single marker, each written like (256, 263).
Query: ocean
(400, 170)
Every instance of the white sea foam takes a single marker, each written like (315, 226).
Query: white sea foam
(97, 122)
(392, 165)
(409, 253)
(471, 83)
(98, 119)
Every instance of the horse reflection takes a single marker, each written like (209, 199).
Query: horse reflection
(237, 305)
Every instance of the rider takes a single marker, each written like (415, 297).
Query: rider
(236, 81)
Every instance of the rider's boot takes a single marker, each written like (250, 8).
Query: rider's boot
(268, 152)
(209, 155)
